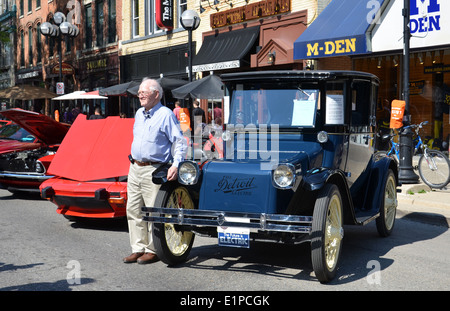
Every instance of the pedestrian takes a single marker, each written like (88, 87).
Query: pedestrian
(177, 109)
(56, 115)
(97, 114)
(75, 112)
(155, 132)
(197, 111)
(68, 117)
(217, 111)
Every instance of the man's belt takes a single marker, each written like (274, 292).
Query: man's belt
(141, 163)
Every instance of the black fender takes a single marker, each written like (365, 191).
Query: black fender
(316, 179)
(377, 182)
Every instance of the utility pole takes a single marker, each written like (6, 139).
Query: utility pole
(406, 172)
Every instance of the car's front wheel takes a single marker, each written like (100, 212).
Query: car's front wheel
(327, 233)
(172, 244)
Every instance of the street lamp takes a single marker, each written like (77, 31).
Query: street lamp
(190, 21)
(59, 28)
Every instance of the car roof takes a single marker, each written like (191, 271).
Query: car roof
(299, 74)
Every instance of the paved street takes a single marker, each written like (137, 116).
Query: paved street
(41, 250)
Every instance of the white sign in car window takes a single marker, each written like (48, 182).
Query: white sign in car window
(304, 113)
(335, 109)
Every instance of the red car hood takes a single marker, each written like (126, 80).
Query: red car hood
(8, 146)
(42, 127)
(94, 149)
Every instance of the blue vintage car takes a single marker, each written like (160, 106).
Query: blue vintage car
(298, 164)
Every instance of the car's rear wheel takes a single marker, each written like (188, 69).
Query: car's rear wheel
(385, 222)
(327, 233)
(173, 245)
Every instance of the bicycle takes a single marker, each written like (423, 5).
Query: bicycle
(433, 165)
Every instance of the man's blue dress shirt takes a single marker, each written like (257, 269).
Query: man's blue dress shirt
(154, 132)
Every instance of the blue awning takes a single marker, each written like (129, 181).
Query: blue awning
(341, 29)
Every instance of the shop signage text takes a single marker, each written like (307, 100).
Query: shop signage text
(216, 66)
(329, 48)
(66, 69)
(425, 18)
(27, 75)
(164, 14)
(437, 68)
(249, 12)
(416, 87)
(96, 64)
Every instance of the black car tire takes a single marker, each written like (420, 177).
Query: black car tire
(171, 244)
(327, 233)
(388, 208)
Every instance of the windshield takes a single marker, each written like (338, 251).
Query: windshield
(15, 132)
(274, 104)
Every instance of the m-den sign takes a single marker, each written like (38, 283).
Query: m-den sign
(249, 12)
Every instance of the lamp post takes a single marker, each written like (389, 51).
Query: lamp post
(190, 21)
(406, 173)
(59, 27)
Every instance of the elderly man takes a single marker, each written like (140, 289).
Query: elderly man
(155, 131)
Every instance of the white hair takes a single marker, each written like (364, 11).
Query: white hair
(155, 86)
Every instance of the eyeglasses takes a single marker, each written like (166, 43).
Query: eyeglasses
(146, 93)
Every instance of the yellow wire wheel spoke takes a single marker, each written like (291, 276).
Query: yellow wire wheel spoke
(327, 233)
(178, 241)
(172, 244)
(388, 209)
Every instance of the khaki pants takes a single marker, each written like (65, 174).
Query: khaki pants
(141, 191)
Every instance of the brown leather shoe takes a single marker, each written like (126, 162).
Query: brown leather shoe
(147, 258)
(132, 258)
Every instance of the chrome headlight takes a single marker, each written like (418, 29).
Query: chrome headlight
(283, 176)
(188, 173)
(39, 167)
(322, 137)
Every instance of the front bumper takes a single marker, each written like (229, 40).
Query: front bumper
(207, 218)
(22, 181)
(24, 176)
(86, 199)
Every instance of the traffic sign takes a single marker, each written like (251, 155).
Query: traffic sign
(60, 88)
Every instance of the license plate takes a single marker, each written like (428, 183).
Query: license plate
(234, 236)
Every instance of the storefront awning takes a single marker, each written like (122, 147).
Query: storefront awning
(341, 29)
(225, 50)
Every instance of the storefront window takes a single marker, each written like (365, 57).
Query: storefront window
(429, 90)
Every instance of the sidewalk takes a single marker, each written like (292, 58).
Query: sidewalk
(424, 204)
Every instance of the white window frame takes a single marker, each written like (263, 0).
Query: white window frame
(181, 7)
(135, 19)
(150, 18)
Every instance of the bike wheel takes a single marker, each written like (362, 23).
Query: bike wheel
(434, 169)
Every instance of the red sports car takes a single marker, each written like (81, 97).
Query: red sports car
(4, 122)
(27, 146)
(91, 168)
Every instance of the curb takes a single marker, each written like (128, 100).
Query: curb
(420, 203)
